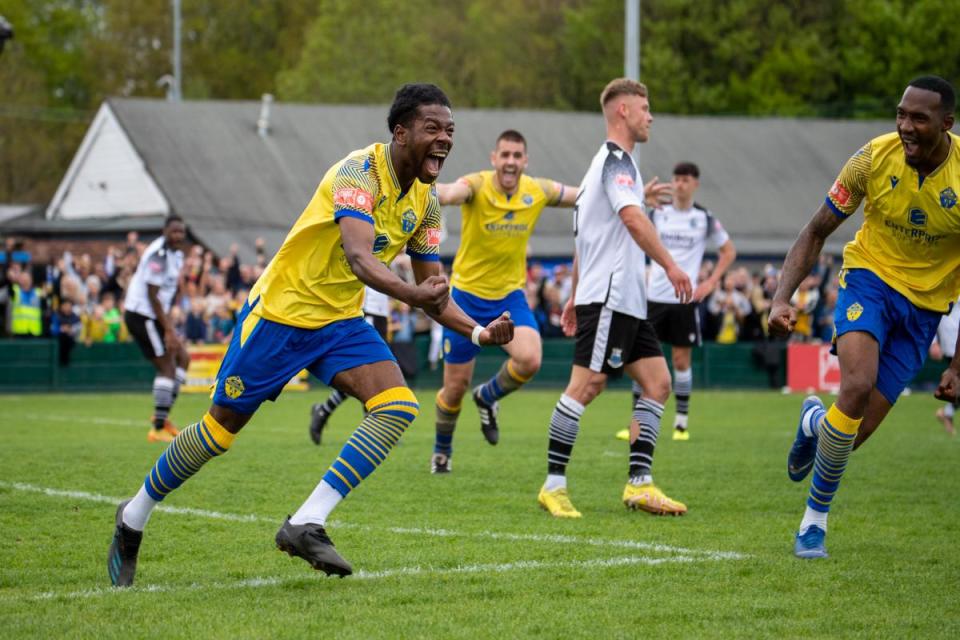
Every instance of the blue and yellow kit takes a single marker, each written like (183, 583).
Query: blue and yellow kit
(492, 258)
(305, 310)
(309, 283)
(910, 237)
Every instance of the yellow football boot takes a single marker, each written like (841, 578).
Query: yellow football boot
(681, 434)
(623, 434)
(649, 498)
(167, 434)
(557, 502)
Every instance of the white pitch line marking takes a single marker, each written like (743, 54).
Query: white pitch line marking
(438, 533)
(252, 583)
(107, 421)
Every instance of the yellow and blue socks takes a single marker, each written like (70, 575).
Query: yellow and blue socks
(389, 414)
(564, 427)
(194, 446)
(836, 435)
(682, 388)
(647, 414)
(504, 383)
(446, 424)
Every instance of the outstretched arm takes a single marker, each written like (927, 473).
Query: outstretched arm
(799, 261)
(568, 195)
(457, 192)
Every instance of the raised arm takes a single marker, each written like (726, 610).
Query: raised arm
(457, 192)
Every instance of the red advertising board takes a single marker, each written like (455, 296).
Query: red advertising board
(811, 367)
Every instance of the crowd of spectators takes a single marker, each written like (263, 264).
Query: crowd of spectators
(80, 298)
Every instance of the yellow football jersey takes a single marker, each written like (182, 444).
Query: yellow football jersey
(491, 261)
(910, 237)
(309, 283)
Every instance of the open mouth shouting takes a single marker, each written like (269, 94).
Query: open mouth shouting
(433, 162)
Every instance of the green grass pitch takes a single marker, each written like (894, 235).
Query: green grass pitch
(470, 555)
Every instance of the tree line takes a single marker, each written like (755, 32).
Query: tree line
(829, 58)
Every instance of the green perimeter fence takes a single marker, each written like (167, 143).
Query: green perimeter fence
(32, 365)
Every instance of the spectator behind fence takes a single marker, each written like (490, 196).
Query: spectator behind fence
(26, 307)
(66, 326)
(805, 300)
(730, 307)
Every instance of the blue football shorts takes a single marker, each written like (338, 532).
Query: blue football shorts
(903, 330)
(264, 355)
(458, 349)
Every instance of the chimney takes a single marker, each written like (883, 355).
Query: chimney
(263, 122)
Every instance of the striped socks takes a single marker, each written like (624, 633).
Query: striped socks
(446, 425)
(682, 388)
(564, 427)
(335, 399)
(647, 414)
(190, 450)
(837, 433)
(504, 383)
(163, 393)
(389, 415)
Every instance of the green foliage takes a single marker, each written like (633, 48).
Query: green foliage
(844, 58)
(470, 555)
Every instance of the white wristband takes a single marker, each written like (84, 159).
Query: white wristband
(475, 337)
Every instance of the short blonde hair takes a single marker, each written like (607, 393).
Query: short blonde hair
(622, 87)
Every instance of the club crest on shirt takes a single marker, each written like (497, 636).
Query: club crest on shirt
(918, 217)
(233, 387)
(616, 358)
(409, 221)
(527, 199)
(381, 242)
(854, 311)
(948, 198)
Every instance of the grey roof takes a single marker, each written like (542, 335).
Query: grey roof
(762, 177)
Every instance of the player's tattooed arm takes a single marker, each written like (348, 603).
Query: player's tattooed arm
(797, 265)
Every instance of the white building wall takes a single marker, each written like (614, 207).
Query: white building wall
(107, 177)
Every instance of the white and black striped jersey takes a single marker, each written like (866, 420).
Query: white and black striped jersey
(159, 266)
(611, 264)
(686, 235)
